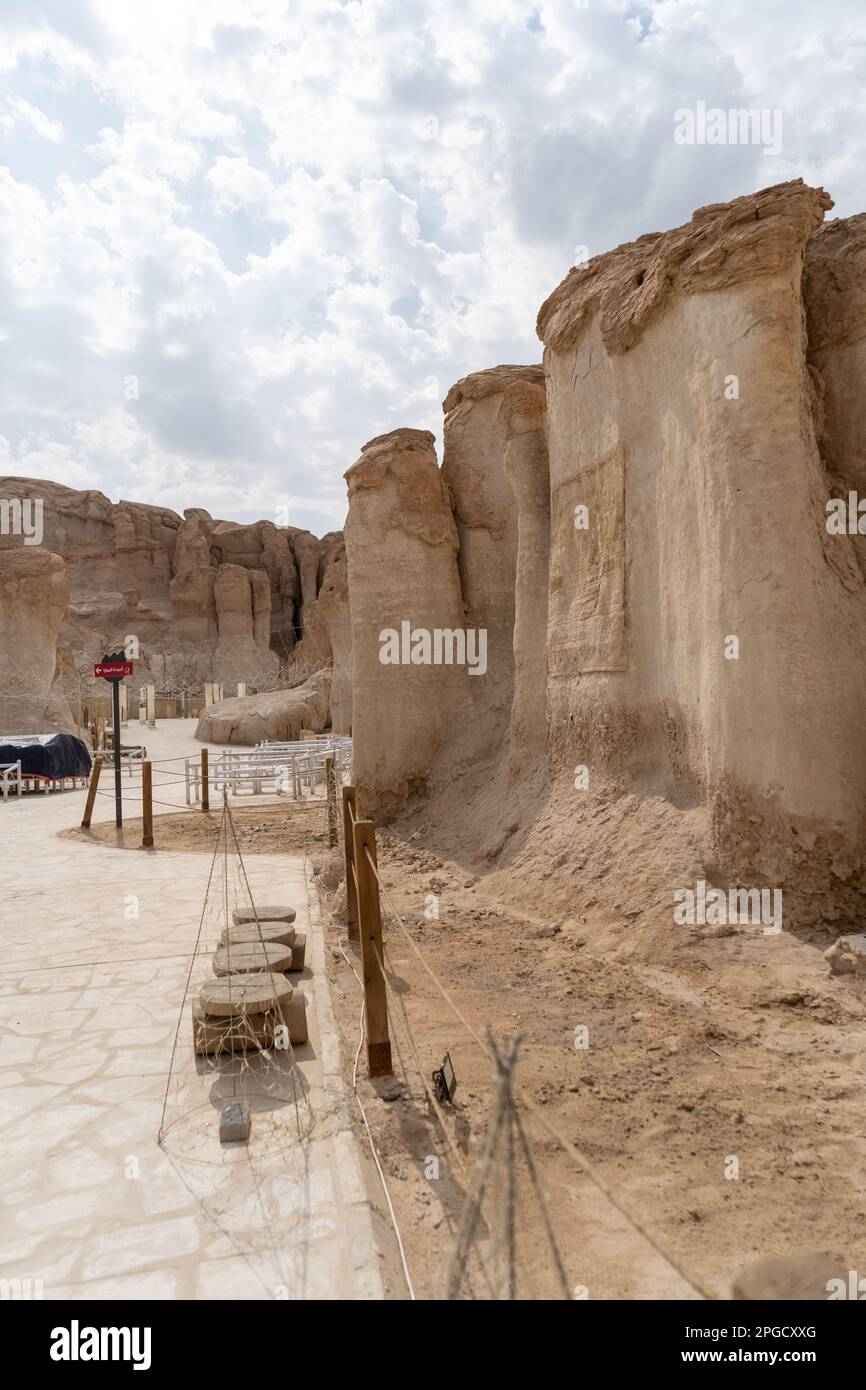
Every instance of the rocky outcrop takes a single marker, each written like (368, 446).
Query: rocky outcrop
(33, 598)
(476, 433)
(834, 291)
(700, 638)
(673, 624)
(243, 609)
(332, 615)
(207, 599)
(265, 548)
(455, 559)
(524, 416)
(314, 649)
(627, 290)
(401, 549)
(276, 714)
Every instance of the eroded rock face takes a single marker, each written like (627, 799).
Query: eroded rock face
(331, 615)
(263, 547)
(644, 530)
(243, 607)
(701, 636)
(207, 599)
(275, 714)
(834, 291)
(33, 598)
(524, 417)
(627, 290)
(401, 548)
(461, 553)
(476, 436)
(314, 649)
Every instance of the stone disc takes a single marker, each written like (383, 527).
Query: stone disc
(269, 913)
(251, 955)
(241, 994)
(279, 932)
(242, 1032)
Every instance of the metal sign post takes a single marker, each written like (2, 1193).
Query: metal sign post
(113, 668)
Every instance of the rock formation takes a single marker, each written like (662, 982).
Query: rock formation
(33, 598)
(476, 433)
(674, 632)
(524, 415)
(401, 549)
(688, 635)
(331, 613)
(275, 714)
(700, 638)
(314, 648)
(437, 553)
(207, 599)
(834, 289)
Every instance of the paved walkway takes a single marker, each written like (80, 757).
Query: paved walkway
(96, 947)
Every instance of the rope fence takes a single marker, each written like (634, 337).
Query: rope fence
(288, 769)
(365, 891)
(363, 912)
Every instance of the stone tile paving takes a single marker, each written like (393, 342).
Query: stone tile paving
(90, 995)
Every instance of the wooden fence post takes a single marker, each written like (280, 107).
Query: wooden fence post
(205, 789)
(372, 959)
(146, 807)
(349, 810)
(91, 793)
(331, 792)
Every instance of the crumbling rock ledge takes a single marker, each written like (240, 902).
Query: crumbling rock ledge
(725, 243)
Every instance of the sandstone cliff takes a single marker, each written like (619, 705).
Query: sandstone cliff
(477, 430)
(207, 599)
(676, 638)
(695, 621)
(401, 548)
(33, 598)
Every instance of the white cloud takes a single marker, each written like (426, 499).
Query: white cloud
(19, 111)
(297, 225)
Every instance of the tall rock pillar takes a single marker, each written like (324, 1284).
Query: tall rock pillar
(401, 550)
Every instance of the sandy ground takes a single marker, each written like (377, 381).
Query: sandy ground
(284, 828)
(720, 1093)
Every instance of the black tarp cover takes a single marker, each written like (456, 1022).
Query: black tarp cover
(46, 755)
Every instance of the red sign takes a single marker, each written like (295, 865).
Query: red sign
(113, 670)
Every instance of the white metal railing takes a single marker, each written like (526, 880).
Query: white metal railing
(321, 741)
(10, 776)
(296, 768)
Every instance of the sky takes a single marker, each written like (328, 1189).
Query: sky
(240, 238)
